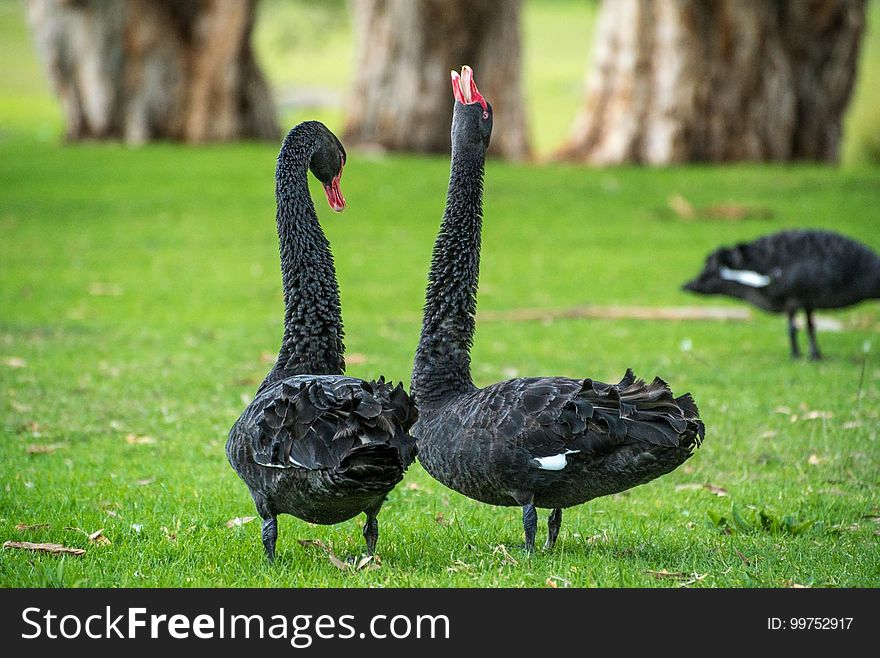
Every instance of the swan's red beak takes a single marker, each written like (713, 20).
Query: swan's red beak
(465, 89)
(334, 194)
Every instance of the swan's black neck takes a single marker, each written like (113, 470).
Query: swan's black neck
(442, 367)
(312, 342)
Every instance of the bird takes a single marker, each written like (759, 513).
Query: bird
(792, 270)
(315, 443)
(534, 442)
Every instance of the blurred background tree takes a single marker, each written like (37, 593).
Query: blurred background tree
(401, 98)
(140, 70)
(705, 81)
(687, 80)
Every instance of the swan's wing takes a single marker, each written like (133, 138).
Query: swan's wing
(556, 417)
(316, 424)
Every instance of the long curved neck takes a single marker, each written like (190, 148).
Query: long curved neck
(442, 366)
(312, 342)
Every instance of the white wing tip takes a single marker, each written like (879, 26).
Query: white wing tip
(745, 277)
(554, 462)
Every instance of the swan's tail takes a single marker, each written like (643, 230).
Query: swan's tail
(336, 424)
(635, 411)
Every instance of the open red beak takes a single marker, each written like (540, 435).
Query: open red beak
(334, 194)
(465, 89)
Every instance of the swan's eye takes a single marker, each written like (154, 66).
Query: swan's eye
(485, 114)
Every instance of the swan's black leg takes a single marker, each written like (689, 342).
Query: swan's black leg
(270, 525)
(792, 336)
(530, 525)
(270, 536)
(554, 522)
(815, 355)
(371, 529)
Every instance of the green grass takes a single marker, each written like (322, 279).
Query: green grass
(140, 295)
(140, 290)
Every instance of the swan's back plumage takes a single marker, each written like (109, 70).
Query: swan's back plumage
(334, 437)
(564, 440)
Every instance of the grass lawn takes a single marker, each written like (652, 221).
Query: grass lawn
(140, 305)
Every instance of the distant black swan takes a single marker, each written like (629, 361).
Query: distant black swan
(314, 443)
(793, 270)
(548, 442)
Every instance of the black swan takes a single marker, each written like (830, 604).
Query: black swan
(548, 442)
(792, 270)
(314, 443)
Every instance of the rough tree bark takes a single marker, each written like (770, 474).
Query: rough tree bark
(139, 70)
(688, 80)
(401, 98)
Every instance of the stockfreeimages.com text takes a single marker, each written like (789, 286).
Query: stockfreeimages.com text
(300, 630)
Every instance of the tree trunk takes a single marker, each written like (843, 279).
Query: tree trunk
(688, 80)
(139, 70)
(401, 99)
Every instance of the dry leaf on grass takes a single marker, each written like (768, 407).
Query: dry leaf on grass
(742, 557)
(551, 583)
(43, 548)
(98, 538)
(414, 486)
(134, 439)
(442, 520)
(769, 434)
(368, 562)
(681, 206)
(144, 482)
(600, 538)
(684, 579)
(355, 359)
(737, 212)
(31, 526)
(726, 211)
(663, 573)
(317, 543)
(506, 557)
(239, 520)
(14, 362)
(813, 415)
(43, 450)
(718, 491)
(555, 581)
(815, 460)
